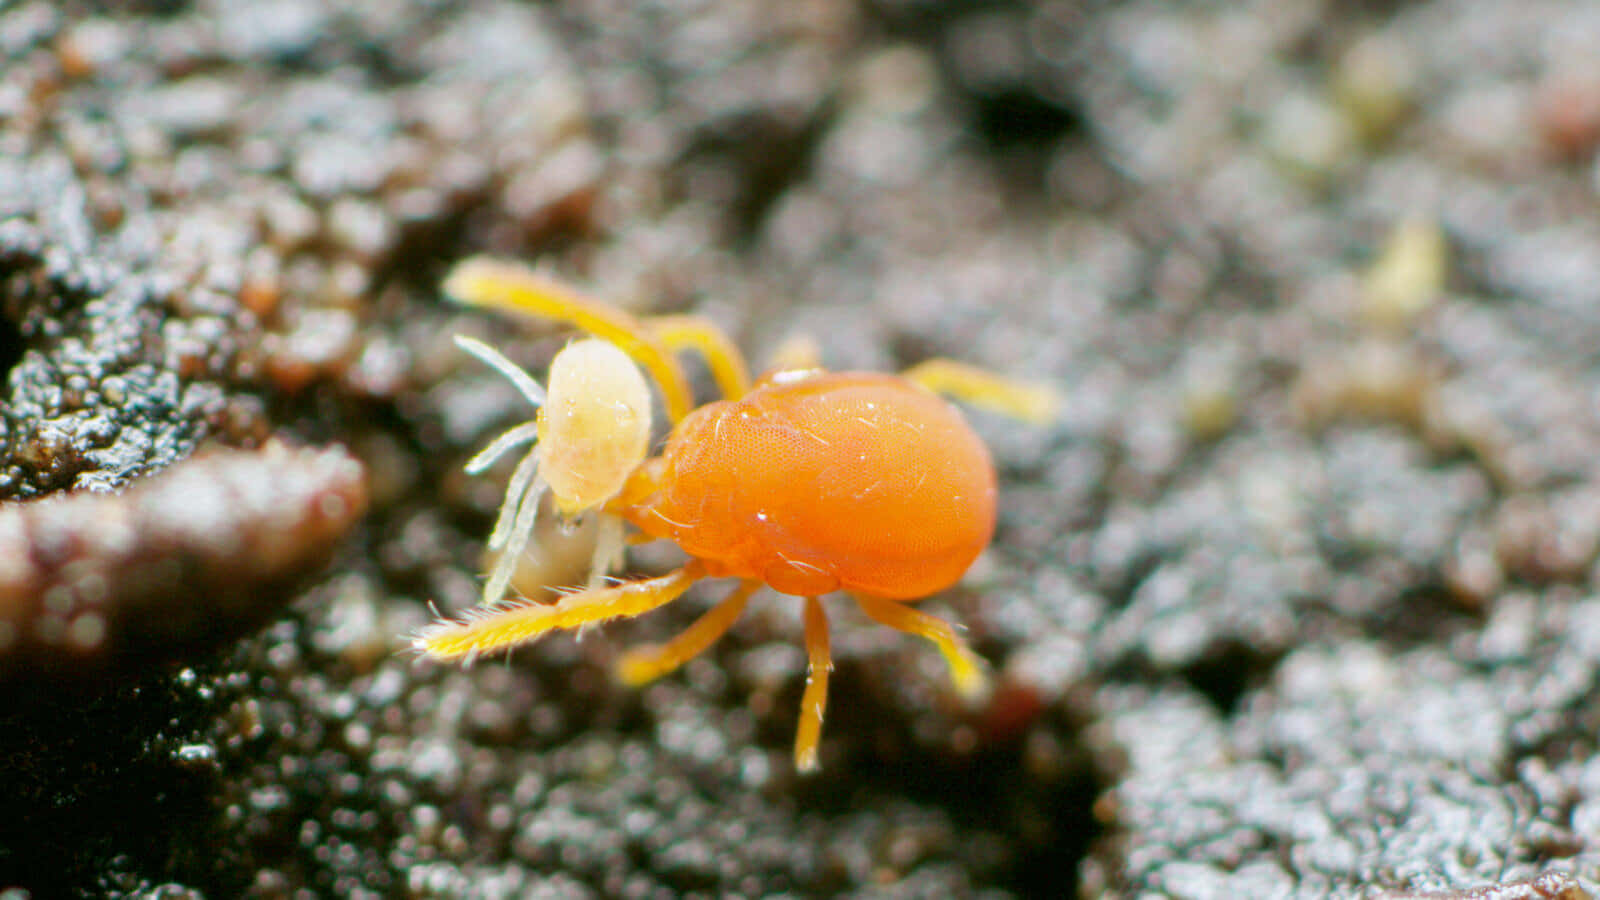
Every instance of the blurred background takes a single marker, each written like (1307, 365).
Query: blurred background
(1295, 600)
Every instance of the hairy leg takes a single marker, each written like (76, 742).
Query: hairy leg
(489, 629)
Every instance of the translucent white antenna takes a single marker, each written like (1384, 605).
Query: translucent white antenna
(493, 358)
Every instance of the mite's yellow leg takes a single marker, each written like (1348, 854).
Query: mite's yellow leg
(1033, 403)
(966, 669)
(704, 337)
(814, 702)
(798, 351)
(644, 664)
(508, 286)
(488, 629)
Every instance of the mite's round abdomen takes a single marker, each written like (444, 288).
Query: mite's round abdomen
(849, 480)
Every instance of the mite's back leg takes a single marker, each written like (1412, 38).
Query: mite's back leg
(798, 351)
(1033, 403)
(966, 669)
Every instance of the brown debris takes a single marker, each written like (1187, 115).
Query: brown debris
(189, 558)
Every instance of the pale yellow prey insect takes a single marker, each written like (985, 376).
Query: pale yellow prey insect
(591, 432)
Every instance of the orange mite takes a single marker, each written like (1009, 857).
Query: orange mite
(816, 482)
(808, 482)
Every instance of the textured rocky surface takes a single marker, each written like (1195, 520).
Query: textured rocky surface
(1298, 599)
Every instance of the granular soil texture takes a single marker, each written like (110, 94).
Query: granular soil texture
(1296, 599)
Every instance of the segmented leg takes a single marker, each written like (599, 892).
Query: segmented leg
(645, 664)
(518, 514)
(487, 629)
(799, 351)
(609, 544)
(966, 670)
(814, 702)
(1032, 403)
(704, 337)
(516, 288)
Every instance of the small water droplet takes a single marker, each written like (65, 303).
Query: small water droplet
(196, 754)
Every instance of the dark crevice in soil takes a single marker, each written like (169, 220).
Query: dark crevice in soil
(114, 807)
(11, 346)
(768, 156)
(1040, 813)
(1426, 613)
(1226, 674)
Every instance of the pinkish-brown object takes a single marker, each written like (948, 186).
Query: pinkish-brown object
(1549, 886)
(189, 558)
